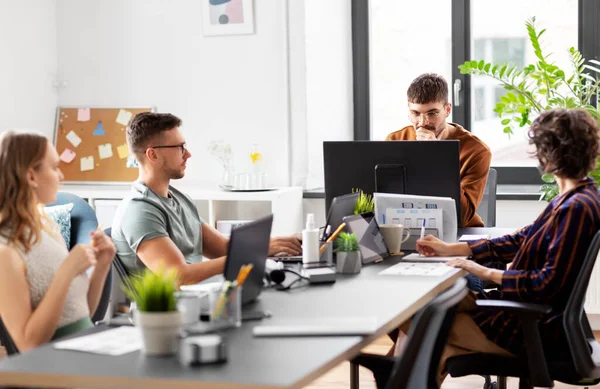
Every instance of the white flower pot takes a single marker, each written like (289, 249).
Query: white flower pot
(348, 262)
(160, 331)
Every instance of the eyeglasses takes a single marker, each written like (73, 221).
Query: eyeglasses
(181, 146)
(429, 116)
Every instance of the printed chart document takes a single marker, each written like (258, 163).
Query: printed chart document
(438, 212)
(116, 341)
(416, 257)
(416, 269)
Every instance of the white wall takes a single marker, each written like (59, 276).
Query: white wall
(153, 52)
(328, 80)
(28, 65)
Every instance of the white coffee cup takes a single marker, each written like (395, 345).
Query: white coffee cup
(394, 235)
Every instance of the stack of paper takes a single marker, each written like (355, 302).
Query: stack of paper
(117, 341)
(416, 269)
(416, 257)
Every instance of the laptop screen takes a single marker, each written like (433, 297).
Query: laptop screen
(249, 244)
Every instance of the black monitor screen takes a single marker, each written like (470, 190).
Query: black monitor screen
(426, 168)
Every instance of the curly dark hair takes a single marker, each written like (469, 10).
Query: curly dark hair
(144, 126)
(566, 141)
(428, 88)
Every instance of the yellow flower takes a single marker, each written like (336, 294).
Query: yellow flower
(255, 156)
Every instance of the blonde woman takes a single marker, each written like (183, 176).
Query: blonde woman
(44, 290)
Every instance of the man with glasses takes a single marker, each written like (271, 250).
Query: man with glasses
(157, 225)
(428, 109)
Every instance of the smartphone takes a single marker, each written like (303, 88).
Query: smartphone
(390, 178)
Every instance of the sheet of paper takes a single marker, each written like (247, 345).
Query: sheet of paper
(87, 163)
(416, 257)
(123, 151)
(73, 138)
(116, 341)
(413, 218)
(416, 269)
(83, 115)
(105, 151)
(123, 117)
(383, 201)
(67, 156)
(465, 238)
(131, 162)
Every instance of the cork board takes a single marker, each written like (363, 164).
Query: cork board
(91, 144)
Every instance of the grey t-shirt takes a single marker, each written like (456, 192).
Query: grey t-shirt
(144, 215)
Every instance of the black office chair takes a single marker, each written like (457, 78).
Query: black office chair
(487, 207)
(120, 267)
(417, 367)
(582, 367)
(7, 341)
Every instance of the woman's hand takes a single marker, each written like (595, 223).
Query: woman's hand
(431, 246)
(81, 258)
(104, 247)
(479, 271)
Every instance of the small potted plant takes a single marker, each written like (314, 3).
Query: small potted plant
(348, 258)
(364, 203)
(156, 311)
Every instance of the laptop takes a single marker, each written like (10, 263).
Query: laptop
(249, 244)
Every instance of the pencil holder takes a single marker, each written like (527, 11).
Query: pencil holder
(226, 308)
(327, 256)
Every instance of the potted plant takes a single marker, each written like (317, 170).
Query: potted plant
(539, 87)
(156, 311)
(364, 203)
(348, 258)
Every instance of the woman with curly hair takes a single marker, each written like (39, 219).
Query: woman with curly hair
(546, 256)
(44, 290)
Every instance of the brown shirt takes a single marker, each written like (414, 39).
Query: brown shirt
(474, 159)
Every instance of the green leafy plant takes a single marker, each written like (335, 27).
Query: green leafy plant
(153, 291)
(539, 87)
(346, 242)
(364, 203)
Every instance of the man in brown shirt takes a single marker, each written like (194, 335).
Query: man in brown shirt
(428, 110)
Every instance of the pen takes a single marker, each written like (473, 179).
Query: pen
(423, 229)
(331, 238)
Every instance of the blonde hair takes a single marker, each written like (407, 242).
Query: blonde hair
(21, 222)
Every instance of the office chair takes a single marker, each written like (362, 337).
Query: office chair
(581, 367)
(83, 217)
(120, 267)
(83, 222)
(417, 367)
(487, 207)
(7, 341)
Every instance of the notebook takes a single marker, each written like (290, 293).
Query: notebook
(416, 257)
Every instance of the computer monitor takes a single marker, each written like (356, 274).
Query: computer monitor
(249, 244)
(427, 168)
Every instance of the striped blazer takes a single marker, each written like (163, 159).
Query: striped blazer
(546, 258)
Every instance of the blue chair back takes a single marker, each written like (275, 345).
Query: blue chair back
(83, 217)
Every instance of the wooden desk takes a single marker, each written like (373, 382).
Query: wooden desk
(253, 362)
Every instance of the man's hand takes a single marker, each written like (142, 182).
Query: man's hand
(287, 244)
(425, 134)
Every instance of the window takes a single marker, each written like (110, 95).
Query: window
(402, 46)
(501, 37)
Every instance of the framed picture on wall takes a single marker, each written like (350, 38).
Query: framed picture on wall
(227, 17)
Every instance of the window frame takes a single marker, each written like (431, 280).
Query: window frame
(588, 43)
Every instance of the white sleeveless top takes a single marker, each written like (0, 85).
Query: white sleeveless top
(42, 262)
